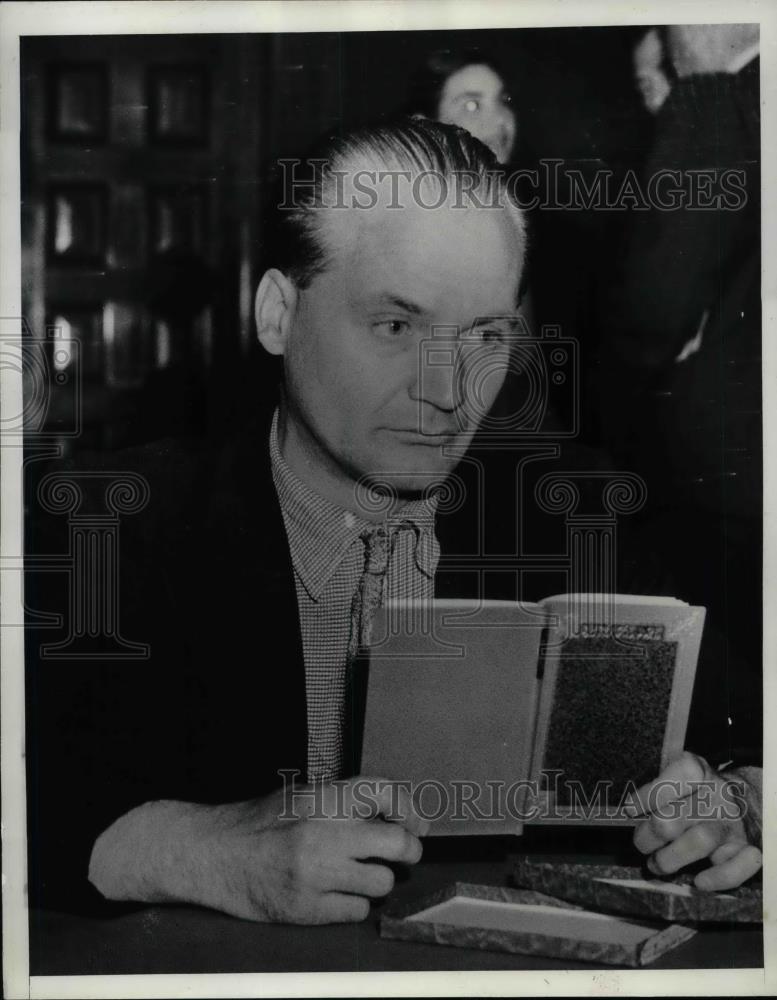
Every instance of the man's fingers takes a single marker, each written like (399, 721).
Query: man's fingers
(654, 832)
(392, 800)
(732, 872)
(366, 879)
(360, 798)
(401, 802)
(341, 908)
(387, 841)
(676, 781)
(726, 851)
(698, 841)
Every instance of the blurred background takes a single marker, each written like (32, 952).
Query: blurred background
(145, 160)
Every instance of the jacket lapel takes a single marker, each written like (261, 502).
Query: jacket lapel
(254, 640)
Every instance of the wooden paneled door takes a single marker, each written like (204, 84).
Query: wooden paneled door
(140, 187)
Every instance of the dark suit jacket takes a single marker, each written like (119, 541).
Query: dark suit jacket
(217, 708)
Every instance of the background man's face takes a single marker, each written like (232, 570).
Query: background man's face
(360, 385)
(475, 99)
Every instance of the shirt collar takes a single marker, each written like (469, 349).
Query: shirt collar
(320, 532)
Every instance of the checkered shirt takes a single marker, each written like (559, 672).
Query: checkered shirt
(328, 556)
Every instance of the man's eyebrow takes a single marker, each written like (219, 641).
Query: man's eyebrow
(397, 301)
(497, 318)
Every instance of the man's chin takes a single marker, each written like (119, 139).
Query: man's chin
(412, 486)
(410, 482)
(411, 471)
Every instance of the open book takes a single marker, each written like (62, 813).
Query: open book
(499, 713)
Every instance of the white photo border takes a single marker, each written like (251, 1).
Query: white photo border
(145, 17)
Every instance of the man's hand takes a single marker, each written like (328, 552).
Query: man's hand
(690, 813)
(315, 857)
(708, 48)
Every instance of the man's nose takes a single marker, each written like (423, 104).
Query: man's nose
(439, 377)
(499, 129)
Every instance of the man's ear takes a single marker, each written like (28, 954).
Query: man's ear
(274, 308)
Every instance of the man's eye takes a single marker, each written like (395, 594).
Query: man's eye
(392, 327)
(487, 334)
(472, 105)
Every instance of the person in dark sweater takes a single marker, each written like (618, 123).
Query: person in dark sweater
(680, 385)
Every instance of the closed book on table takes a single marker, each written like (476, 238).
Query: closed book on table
(628, 891)
(524, 922)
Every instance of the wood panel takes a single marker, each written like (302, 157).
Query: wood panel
(140, 184)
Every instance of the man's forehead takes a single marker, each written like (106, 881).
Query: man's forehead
(649, 50)
(401, 210)
(429, 262)
(475, 78)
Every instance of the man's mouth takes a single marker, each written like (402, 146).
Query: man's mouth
(438, 435)
(425, 437)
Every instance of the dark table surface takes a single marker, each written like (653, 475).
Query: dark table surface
(182, 939)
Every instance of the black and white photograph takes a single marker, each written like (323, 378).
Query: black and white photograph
(383, 515)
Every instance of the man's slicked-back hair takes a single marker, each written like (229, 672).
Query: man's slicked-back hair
(416, 148)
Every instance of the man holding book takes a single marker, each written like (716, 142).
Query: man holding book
(256, 569)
